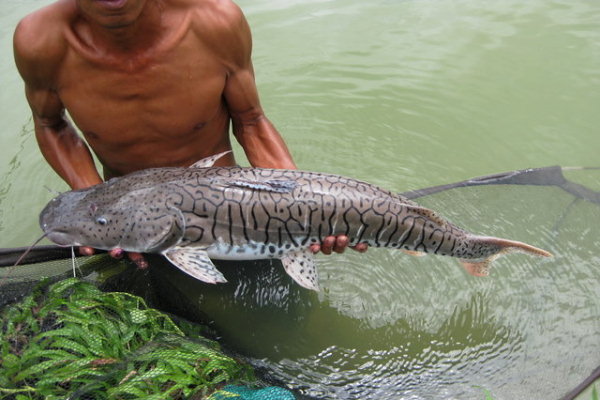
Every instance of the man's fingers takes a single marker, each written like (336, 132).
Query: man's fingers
(340, 244)
(138, 259)
(361, 247)
(116, 253)
(86, 251)
(315, 248)
(328, 244)
(336, 244)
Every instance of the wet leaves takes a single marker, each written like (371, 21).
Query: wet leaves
(72, 340)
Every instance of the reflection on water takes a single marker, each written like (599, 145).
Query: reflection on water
(406, 358)
(317, 348)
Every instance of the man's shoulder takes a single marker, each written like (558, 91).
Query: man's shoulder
(41, 34)
(216, 14)
(222, 26)
(215, 7)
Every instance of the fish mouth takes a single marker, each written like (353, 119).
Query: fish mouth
(61, 238)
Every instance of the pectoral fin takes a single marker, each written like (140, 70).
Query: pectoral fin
(208, 161)
(300, 265)
(195, 262)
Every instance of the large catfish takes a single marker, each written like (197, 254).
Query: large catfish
(191, 215)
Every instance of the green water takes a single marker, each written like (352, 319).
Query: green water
(405, 94)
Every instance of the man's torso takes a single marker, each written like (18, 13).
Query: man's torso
(159, 107)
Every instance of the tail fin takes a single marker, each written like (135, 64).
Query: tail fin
(505, 246)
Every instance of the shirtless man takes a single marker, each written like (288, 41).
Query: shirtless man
(149, 83)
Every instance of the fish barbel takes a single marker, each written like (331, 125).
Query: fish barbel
(192, 215)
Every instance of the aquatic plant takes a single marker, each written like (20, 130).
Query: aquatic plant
(71, 340)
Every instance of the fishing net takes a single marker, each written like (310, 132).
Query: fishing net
(244, 392)
(50, 263)
(71, 340)
(97, 337)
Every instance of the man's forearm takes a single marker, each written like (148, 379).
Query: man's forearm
(67, 154)
(263, 145)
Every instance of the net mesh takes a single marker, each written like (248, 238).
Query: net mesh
(71, 340)
(57, 264)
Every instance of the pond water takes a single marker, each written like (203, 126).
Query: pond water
(404, 94)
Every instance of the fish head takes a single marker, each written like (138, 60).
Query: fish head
(62, 222)
(133, 221)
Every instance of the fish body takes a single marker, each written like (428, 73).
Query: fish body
(192, 215)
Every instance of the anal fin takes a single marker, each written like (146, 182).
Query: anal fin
(300, 265)
(481, 268)
(196, 263)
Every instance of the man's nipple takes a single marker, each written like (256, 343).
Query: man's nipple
(199, 126)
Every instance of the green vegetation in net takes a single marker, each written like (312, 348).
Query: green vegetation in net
(591, 393)
(71, 340)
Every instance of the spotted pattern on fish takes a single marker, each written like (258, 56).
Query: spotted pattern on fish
(193, 214)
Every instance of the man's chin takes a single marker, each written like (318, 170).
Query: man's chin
(111, 4)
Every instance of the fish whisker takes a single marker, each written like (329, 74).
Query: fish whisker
(29, 249)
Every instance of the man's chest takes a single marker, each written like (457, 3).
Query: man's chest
(171, 93)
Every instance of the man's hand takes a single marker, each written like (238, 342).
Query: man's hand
(137, 258)
(337, 244)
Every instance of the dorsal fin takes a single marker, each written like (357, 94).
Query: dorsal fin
(273, 185)
(208, 161)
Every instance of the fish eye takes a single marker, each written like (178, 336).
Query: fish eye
(101, 221)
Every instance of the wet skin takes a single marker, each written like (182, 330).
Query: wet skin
(149, 83)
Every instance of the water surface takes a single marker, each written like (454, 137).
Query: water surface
(405, 94)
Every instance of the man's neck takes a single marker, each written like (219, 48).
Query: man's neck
(137, 32)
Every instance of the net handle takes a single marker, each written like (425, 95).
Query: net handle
(546, 176)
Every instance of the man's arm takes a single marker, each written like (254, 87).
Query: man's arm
(59, 143)
(262, 143)
(38, 56)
